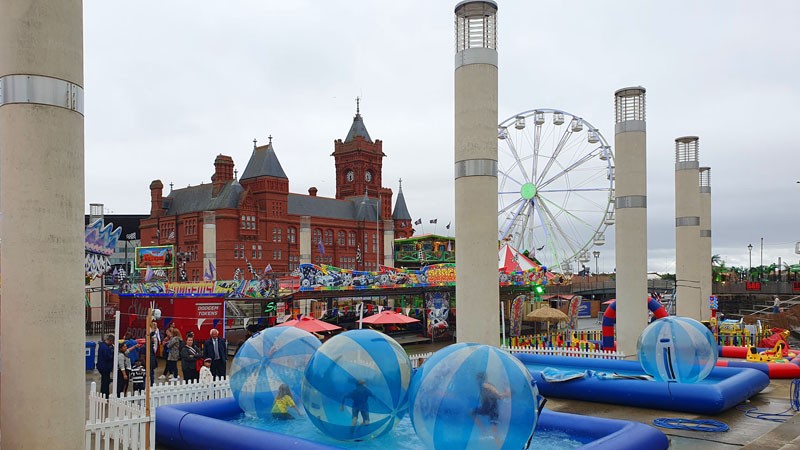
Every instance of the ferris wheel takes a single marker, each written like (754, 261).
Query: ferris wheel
(556, 186)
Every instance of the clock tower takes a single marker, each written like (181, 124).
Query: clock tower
(358, 161)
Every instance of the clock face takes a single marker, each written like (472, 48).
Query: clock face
(368, 176)
(349, 176)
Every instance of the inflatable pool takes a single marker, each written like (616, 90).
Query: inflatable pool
(610, 320)
(774, 370)
(618, 382)
(207, 426)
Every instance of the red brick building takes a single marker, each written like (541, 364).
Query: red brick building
(255, 219)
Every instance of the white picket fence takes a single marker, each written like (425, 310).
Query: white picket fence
(121, 422)
(418, 359)
(567, 351)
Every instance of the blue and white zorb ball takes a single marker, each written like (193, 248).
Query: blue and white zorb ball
(677, 349)
(473, 396)
(268, 359)
(356, 385)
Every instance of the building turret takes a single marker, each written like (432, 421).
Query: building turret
(401, 217)
(358, 161)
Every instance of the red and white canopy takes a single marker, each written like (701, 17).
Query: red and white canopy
(511, 260)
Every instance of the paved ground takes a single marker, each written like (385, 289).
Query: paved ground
(745, 433)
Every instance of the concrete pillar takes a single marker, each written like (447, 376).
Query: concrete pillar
(388, 243)
(477, 292)
(42, 392)
(305, 240)
(687, 228)
(210, 242)
(630, 205)
(706, 274)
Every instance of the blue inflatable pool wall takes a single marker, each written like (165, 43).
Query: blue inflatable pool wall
(723, 389)
(203, 426)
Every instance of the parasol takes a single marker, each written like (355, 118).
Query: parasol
(546, 314)
(310, 324)
(388, 317)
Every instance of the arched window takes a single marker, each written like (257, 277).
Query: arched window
(328, 237)
(292, 235)
(351, 239)
(340, 239)
(317, 237)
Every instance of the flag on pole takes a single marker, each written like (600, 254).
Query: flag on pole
(148, 274)
(250, 268)
(130, 236)
(320, 247)
(448, 225)
(209, 275)
(358, 253)
(418, 222)
(158, 233)
(433, 220)
(171, 236)
(268, 269)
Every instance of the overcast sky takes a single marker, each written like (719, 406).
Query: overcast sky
(169, 85)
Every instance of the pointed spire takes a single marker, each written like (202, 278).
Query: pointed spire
(255, 143)
(170, 187)
(400, 208)
(263, 163)
(358, 128)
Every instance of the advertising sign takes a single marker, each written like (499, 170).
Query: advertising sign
(158, 257)
(753, 286)
(196, 314)
(585, 309)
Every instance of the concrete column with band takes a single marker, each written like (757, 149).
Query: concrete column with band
(630, 143)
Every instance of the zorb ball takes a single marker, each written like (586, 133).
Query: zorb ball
(275, 356)
(677, 349)
(473, 396)
(356, 385)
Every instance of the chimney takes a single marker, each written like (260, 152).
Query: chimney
(312, 191)
(223, 172)
(156, 188)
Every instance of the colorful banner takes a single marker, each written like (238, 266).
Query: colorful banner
(265, 288)
(438, 305)
(515, 315)
(157, 257)
(329, 278)
(191, 288)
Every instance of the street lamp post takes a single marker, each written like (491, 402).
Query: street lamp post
(750, 269)
(761, 266)
(596, 255)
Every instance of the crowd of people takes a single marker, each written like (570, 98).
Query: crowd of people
(199, 364)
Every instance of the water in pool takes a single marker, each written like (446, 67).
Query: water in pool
(402, 436)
